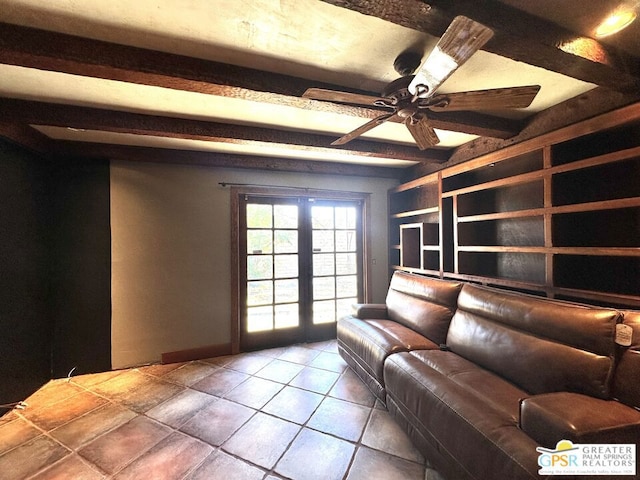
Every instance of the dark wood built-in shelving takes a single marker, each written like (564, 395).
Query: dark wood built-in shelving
(558, 215)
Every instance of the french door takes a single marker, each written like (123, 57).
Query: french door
(301, 268)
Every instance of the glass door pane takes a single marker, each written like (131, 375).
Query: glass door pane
(300, 268)
(335, 282)
(272, 284)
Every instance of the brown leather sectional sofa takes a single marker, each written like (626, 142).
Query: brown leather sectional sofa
(480, 377)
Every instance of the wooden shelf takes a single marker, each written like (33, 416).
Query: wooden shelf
(510, 182)
(536, 212)
(618, 140)
(531, 212)
(431, 179)
(557, 215)
(614, 252)
(603, 205)
(415, 213)
(492, 281)
(626, 301)
(501, 249)
(604, 159)
(494, 171)
(421, 271)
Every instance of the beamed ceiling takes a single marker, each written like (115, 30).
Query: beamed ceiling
(220, 82)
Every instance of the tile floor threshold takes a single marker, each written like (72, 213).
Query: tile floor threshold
(290, 413)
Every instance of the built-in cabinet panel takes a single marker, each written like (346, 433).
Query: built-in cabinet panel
(25, 316)
(616, 275)
(447, 235)
(517, 266)
(512, 232)
(506, 198)
(416, 201)
(610, 181)
(600, 228)
(419, 246)
(81, 267)
(615, 138)
(558, 215)
(55, 260)
(521, 164)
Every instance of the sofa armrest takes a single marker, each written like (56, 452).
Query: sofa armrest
(376, 311)
(551, 417)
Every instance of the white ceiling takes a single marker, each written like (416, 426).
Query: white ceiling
(302, 38)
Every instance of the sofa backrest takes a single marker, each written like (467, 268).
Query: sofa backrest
(423, 304)
(540, 345)
(626, 384)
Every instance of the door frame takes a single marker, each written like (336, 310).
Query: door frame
(236, 192)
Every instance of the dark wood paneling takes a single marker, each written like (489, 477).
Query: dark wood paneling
(25, 323)
(81, 279)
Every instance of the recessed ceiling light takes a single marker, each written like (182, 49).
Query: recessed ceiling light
(617, 21)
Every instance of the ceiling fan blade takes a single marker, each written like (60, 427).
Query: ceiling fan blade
(475, 123)
(463, 38)
(339, 97)
(423, 133)
(363, 129)
(495, 98)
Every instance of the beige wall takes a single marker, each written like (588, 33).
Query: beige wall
(170, 227)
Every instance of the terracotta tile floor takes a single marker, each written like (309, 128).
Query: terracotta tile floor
(289, 413)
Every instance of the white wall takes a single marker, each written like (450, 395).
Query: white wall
(170, 227)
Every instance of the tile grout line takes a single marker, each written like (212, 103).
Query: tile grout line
(357, 444)
(329, 349)
(305, 425)
(326, 395)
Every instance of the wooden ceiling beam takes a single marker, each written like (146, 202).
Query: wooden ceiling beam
(517, 35)
(66, 149)
(24, 135)
(86, 118)
(43, 50)
(58, 52)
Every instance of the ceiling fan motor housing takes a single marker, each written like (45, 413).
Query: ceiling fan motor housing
(407, 62)
(398, 89)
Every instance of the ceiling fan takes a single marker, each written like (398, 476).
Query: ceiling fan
(410, 97)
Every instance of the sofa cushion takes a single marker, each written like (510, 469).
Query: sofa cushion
(626, 386)
(480, 384)
(552, 417)
(478, 439)
(538, 344)
(423, 304)
(365, 345)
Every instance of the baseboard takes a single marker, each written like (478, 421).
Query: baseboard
(196, 353)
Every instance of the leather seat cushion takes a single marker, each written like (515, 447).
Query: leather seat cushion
(482, 436)
(365, 345)
(552, 417)
(487, 387)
